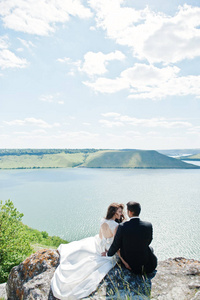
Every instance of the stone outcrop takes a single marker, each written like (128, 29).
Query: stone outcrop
(175, 279)
(31, 279)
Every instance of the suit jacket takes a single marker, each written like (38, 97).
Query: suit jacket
(133, 238)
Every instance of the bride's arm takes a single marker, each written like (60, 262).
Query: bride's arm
(123, 261)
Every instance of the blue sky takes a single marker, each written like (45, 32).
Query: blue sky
(99, 74)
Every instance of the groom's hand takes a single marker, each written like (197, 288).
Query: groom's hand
(104, 253)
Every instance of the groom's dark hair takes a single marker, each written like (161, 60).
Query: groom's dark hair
(134, 207)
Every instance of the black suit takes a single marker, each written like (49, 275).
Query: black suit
(133, 239)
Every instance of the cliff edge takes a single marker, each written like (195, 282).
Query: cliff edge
(177, 278)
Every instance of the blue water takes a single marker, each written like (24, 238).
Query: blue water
(71, 202)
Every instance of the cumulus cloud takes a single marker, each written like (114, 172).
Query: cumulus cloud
(147, 81)
(151, 35)
(7, 58)
(39, 17)
(95, 63)
(32, 122)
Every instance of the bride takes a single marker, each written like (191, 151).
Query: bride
(81, 265)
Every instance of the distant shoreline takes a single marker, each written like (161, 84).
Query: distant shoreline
(22, 159)
(103, 168)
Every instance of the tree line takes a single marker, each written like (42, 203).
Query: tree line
(19, 152)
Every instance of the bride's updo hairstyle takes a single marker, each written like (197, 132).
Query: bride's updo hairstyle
(112, 210)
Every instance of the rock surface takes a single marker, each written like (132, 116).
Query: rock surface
(176, 279)
(3, 291)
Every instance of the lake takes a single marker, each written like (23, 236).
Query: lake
(71, 202)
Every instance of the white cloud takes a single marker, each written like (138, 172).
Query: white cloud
(133, 133)
(20, 49)
(123, 120)
(4, 135)
(111, 114)
(64, 60)
(152, 36)
(7, 58)
(26, 44)
(28, 133)
(65, 139)
(148, 81)
(55, 98)
(110, 124)
(32, 122)
(4, 42)
(106, 85)
(61, 102)
(39, 17)
(74, 65)
(95, 63)
(195, 130)
(73, 135)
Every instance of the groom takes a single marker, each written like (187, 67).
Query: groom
(133, 239)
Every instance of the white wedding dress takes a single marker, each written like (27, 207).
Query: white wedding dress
(82, 267)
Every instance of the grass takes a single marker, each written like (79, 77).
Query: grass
(143, 292)
(59, 160)
(120, 284)
(38, 246)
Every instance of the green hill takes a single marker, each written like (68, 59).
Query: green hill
(133, 159)
(88, 158)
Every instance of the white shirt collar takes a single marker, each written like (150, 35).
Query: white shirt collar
(134, 218)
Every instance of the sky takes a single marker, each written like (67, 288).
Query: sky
(109, 74)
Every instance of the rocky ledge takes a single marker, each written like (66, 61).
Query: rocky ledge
(177, 278)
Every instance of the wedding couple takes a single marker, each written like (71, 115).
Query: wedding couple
(84, 263)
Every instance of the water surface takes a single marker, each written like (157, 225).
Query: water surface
(71, 202)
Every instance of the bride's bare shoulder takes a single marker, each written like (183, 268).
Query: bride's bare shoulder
(105, 230)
